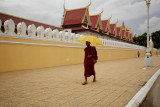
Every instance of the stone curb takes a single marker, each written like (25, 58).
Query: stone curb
(142, 93)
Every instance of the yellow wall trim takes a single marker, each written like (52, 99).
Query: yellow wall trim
(54, 45)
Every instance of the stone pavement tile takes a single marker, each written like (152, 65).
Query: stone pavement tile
(45, 104)
(14, 101)
(84, 105)
(125, 97)
(29, 103)
(108, 99)
(52, 99)
(71, 101)
(40, 96)
(95, 98)
(67, 100)
(96, 105)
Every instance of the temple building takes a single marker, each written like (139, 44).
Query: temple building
(81, 22)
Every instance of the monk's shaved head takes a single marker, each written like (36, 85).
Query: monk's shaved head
(88, 43)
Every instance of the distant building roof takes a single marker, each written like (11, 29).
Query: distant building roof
(4, 17)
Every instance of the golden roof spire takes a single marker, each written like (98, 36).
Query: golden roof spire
(123, 25)
(89, 4)
(110, 17)
(102, 11)
(64, 7)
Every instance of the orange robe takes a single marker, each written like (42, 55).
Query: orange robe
(88, 62)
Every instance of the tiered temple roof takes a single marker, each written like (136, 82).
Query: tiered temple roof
(80, 20)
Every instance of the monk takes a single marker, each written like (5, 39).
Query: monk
(90, 54)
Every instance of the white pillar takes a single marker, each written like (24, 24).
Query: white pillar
(148, 59)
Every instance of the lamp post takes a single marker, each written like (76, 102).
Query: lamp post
(148, 59)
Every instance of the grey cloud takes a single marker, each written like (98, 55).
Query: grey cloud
(133, 12)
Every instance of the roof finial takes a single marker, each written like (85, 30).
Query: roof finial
(102, 10)
(89, 4)
(64, 7)
(110, 17)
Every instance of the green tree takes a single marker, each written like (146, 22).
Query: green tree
(141, 40)
(156, 39)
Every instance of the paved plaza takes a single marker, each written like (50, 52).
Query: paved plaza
(117, 82)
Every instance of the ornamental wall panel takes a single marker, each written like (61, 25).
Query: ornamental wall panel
(66, 37)
(72, 37)
(55, 34)
(40, 31)
(9, 27)
(48, 33)
(61, 34)
(76, 37)
(32, 31)
(21, 29)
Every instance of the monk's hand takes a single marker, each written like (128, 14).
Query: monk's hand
(89, 56)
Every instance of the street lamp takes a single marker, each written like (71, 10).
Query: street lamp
(148, 59)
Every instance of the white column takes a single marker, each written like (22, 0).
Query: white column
(148, 59)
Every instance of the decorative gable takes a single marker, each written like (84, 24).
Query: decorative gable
(119, 32)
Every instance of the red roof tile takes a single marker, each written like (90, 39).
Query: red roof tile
(127, 35)
(130, 36)
(123, 33)
(104, 24)
(4, 17)
(94, 20)
(74, 16)
(118, 31)
(112, 27)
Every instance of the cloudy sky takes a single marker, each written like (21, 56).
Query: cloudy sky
(133, 12)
